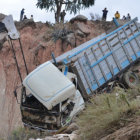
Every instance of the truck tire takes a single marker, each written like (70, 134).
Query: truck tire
(131, 79)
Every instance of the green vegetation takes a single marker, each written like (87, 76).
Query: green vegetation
(60, 32)
(70, 5)
(107, 112)
(25, 134)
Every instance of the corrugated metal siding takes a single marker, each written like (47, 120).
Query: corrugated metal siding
(99, 59)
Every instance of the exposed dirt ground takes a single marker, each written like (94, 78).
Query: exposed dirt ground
(37, 46)
(130, 132)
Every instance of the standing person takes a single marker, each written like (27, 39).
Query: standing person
(128, 17)
(21, 14)
(31, 17)
(105, 11)
(24, 17)
(117, 15)
(124, 18)
(62, 15)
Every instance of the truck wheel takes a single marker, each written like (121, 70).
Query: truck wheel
(131, 79)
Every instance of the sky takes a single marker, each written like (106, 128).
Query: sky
(123, 6)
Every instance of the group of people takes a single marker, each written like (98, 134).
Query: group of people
(117, 15)
(128, 17)
(24, 17)
(63, 13)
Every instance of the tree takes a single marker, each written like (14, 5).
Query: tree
(73, 6)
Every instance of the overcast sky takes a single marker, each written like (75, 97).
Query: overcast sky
(123, 6)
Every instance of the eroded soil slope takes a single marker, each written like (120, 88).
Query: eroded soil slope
(37, 46)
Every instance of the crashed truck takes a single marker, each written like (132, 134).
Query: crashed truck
(56, 91)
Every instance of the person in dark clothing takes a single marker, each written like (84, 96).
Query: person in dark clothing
(105, 11)
(55, 16)
(21, 14)
(24, 17)
(62, 15)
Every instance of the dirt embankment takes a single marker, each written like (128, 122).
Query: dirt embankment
(129, 132)
(37, 46)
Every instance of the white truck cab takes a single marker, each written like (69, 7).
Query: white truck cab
(50, 91)
(49, 99)
(49, 85)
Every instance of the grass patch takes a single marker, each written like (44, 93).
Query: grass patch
(25, 134)
(105, 112)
